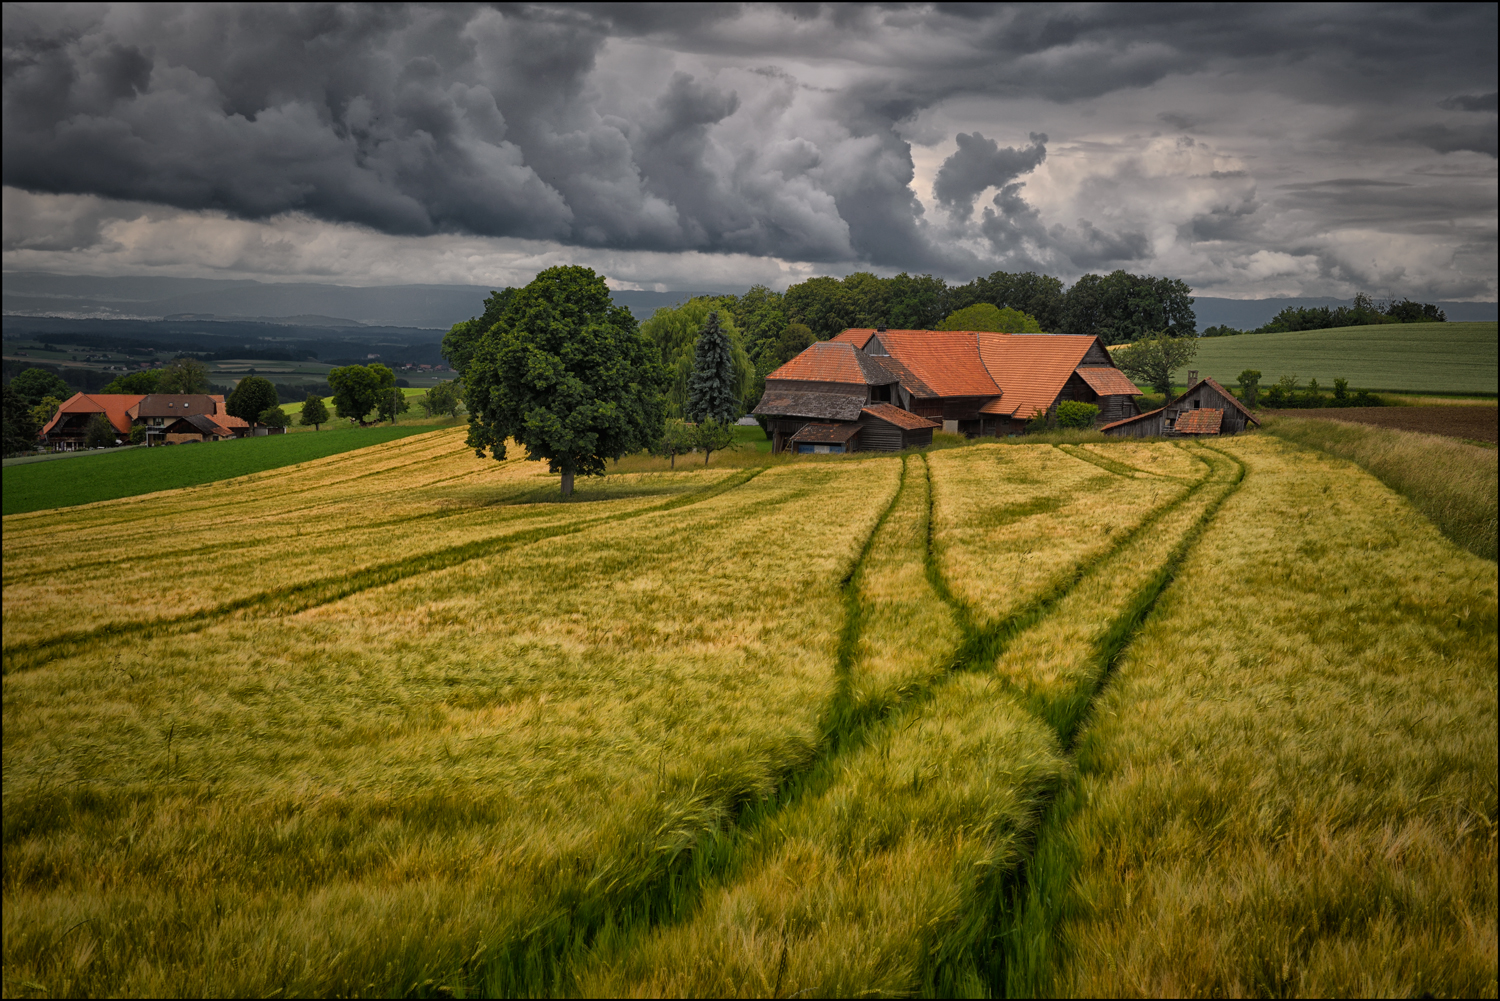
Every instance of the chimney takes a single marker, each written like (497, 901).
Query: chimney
(1192, 376)
(880, 330)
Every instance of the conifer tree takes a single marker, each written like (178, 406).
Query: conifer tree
(711, 387)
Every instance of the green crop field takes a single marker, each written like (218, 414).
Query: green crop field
(1090, 719)
(97, 476)
(1399, 357)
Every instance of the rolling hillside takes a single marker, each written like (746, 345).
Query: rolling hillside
(1406, 357)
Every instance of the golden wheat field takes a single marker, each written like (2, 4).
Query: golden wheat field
(1002, 719)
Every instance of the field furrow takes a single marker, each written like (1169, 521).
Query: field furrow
(1288, 787)
(501, 753)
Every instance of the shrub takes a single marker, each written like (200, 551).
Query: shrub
(1076, 414)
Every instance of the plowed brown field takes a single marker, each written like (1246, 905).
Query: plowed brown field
(1477, 423)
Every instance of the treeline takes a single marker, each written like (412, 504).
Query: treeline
(1363, 311)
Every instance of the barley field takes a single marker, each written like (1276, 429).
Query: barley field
(1003, 719)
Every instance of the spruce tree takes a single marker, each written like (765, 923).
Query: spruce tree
(711, 393)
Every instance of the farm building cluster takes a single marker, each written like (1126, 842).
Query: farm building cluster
(878, 389)
(168, 419)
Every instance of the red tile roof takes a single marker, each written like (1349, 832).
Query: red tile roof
(1202, 421)
(834, 361)
(112, 405)
(858, 336)
(947, 362)
(1108, 381)
(1031, 368)
(904, 419)
(831, 433)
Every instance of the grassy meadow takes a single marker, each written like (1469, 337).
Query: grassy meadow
(1079, 717)
(1399, 357)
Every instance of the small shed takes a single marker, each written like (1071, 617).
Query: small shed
(888, 428)
(1206, 408)
(824, 438)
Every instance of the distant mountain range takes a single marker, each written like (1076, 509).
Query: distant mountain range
(425, 306)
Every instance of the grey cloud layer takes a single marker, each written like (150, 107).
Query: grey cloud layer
(508, 122)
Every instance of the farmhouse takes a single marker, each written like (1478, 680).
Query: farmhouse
(884, 390)
(167, 418)
(1207, 408)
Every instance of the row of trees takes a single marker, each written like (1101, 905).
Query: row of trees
(1363, 311)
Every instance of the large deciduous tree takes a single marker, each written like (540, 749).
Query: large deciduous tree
(253, 396)
(462, 339)
(1153, 359)
(184, 375)
(1119, 307)
(674, 333)
(20, 428)
(356, 389)
(314, 412)
(36, 384)
(984, 316)
(565, 373)
(132, 383)
(711, 388)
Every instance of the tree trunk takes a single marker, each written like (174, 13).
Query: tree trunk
(567, 481)
(706, 454)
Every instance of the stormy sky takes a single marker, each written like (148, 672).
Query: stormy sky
(1251, 150)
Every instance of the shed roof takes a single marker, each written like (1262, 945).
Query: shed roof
(1131, 420)
(111, 405)
(1205, 420)
(829, 406)
(1108, 381)
(1031, 369)
(858, 336)
(832, 434)
(834, 361)
(904, 419)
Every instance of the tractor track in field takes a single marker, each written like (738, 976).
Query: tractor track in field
(302, 597)
(1015, 949)
(847, 724)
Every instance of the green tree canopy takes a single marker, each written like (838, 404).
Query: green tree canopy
(1036, 295)
(1119, 307)
(314, 412)
(36, 384)
(389, 398)
(565, 373)
(677, 438)
(985, 316)
(44, 411)
(184, 375)
(673, 333)
(712, 388)
(274, 417)
(1250, 387)
(463, 338)
(444, 398)
(712, 436)
(251, 398)
(20, 429)
(99, 432)
(1076, 414)
(1153, 359)
(135, 382)
(356, 390)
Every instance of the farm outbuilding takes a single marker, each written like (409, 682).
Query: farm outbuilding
(1206, 408)
(902, 384)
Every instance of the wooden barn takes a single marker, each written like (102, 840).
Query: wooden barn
(901, 384)
(1207, 408)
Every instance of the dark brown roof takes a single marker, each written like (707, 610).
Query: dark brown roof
(829, 406)
(1108, 381)
(1205, 420)
(1131, 420)
(175, 405)
(834, 361)
(826, 433)
(904, 419)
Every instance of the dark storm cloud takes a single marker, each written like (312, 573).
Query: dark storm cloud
(497, 121)
(981, 163)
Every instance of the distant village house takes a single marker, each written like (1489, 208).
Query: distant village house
(168, 419)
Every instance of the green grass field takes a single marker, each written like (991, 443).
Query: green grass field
(1399, 357)
(84, 479)
(1074, 717)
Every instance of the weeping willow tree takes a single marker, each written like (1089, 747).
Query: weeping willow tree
(674, 334)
